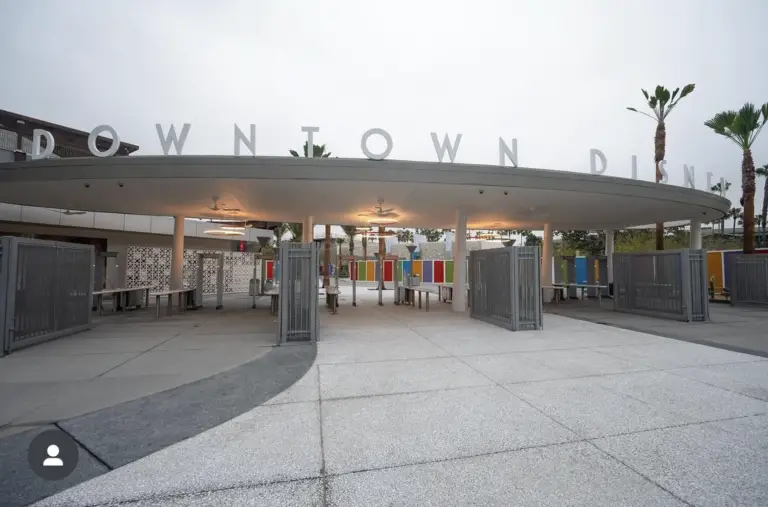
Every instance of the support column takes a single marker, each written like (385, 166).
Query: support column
(459, 303)
(177, 254)
(546, 264)
(696, 234)
(307, 230)
(609, 249)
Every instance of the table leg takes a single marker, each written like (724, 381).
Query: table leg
(170, 304)
(157, 305)
(419, 300)
(100, 303)
(427, 301)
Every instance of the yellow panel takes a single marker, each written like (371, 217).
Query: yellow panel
(715, 269)
(417, 268)
(371, 271)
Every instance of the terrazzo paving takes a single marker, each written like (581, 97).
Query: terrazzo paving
(404, 407)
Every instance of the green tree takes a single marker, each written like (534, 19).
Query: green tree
(318, 151)
(742, 127)
(432, 235)
(661, 103)
(586, 242)
(763, 172)
(531, 239)
(405, 236)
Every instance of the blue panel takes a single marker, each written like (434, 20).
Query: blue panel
(581, 270)
(426, 271)
(406, 268)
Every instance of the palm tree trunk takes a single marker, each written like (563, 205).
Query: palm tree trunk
(327, 257)
(660, 141)
(764, 213)
(748, 191)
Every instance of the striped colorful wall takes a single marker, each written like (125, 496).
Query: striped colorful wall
(435, 271)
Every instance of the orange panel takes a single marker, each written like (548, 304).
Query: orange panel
(715, 268)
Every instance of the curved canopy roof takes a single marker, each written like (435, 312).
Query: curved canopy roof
(345, 191)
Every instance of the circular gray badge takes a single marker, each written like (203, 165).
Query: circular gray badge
(53, 455)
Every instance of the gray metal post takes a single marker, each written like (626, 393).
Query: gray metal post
(381, 277)
(395, 264)
(354, 279)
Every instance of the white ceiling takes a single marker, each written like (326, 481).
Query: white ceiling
(338, 190)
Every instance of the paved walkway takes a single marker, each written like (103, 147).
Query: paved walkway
(403, 407)
(741, 329)
(125, 357)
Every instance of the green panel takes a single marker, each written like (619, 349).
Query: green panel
(361, 271)
(448, 271)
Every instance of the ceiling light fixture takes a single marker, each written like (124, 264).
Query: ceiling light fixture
(232, 227)
(382, 221)
(224, 232)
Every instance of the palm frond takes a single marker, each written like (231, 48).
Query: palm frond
(294, 153)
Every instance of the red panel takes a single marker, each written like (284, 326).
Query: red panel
(388, 271)
(353, 270)
(270, 270)
(438, 273)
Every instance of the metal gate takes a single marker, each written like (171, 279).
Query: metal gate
(297, 315)
(669, 284)
(46, 290)
(505, 287)
(749, 279)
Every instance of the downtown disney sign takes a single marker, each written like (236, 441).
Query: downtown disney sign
(506, 153)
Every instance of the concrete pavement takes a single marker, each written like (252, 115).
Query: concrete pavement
(404, 407)
(741, 329)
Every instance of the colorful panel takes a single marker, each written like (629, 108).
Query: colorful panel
(406, 268)
(362, 270)
(417, 268)
(439, 272)
(426, 270)
(388, 268)
(715, 269)
(581, 270)
(371, 271)
(448, 271)
(270, 270)
(727, 259)
(399, 265)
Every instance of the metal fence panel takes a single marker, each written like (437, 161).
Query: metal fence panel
(297, 316)
(749, 279)
(669, 284)
(505, 287)
(47, 290)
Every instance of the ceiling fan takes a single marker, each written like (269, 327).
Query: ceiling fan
(380, 211)
(223, 206)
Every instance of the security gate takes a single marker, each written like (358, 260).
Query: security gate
(669, 284)
(297, 315)
(505, 287)
(46, 290)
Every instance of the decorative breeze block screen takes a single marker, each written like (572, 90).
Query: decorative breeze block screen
(151, 266)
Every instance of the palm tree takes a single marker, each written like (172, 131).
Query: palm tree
(763, 171)
(318, 151)
(662, 103)
(350, 231)
(736, 214)
(742, 128)
(718, 187)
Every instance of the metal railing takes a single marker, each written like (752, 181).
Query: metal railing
(669, 284)
(505, 287)
(46, 290)
(749, 279)
(297, 313)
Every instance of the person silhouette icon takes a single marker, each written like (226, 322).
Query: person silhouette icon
(52, 460)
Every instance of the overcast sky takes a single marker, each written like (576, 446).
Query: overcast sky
(556, 75)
